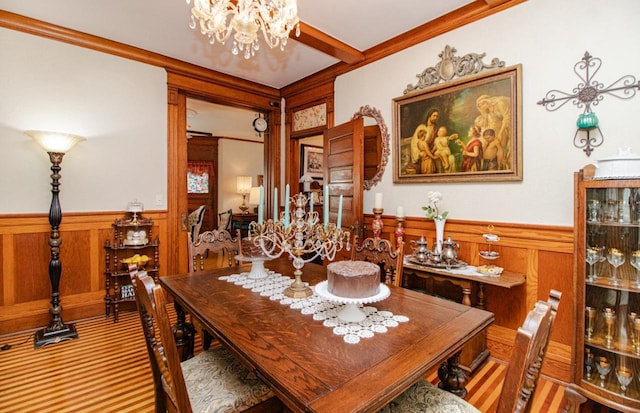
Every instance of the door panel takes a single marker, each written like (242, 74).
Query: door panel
(343, 175)
(205, 149)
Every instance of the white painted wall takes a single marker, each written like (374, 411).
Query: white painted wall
(117, 104)
(237, 158)
(547, 37)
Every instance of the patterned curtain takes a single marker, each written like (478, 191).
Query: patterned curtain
(199, 175)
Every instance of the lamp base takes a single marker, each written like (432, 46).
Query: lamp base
(244, 207)
(48, 336)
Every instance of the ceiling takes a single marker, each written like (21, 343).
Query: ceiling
(343, 29)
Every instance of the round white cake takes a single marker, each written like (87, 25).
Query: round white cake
(353, 279)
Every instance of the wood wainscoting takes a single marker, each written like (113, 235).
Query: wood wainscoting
(543, 253)
(25, 290)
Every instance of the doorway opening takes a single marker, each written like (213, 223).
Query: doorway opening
(222, 144)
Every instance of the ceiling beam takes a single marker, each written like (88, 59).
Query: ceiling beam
(476, 10)
(494, 3)
(314, 38)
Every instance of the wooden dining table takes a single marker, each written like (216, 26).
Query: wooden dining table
(310, 368)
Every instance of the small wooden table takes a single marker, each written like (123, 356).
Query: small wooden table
(309, 367)
(241, 222)
(445, 283)
(468, 283)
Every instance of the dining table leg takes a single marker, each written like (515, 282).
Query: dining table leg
(452, 378)
(184, 334)
(480, 304)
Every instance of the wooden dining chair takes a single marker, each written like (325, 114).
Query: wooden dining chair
(212, 241)
(195, 221)
(224, 220)
(520, 380)
(212, 381)
(380, 251)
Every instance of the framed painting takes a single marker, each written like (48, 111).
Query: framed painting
(312, 161)
(467, 130)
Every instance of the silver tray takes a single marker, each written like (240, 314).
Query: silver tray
(433, 264)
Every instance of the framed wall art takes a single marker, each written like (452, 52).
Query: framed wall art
(467, 130)
(312, 161)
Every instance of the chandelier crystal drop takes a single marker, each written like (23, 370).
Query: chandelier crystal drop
(217, 19)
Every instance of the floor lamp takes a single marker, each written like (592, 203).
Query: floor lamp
(56, 145)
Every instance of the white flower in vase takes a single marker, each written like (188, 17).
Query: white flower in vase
(432, 212)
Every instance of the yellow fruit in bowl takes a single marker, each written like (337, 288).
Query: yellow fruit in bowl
(136, 259)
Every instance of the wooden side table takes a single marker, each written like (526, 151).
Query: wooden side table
(467, 289)
(241, 222)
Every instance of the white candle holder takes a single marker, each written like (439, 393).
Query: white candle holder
(304, 240)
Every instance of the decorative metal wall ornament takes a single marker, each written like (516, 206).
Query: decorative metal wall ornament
(589, 93)
(451, 66)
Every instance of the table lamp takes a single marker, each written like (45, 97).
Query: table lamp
(56, 144)
(243, 187)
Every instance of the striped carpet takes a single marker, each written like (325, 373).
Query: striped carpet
(107, 370)
(484, 389)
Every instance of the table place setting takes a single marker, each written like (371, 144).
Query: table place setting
(320, 307)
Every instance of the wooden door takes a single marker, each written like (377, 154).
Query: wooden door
(203, 152)
(344, 174)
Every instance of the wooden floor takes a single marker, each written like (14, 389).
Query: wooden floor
(106, 370)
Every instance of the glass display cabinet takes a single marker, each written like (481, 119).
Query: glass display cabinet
(607, 271)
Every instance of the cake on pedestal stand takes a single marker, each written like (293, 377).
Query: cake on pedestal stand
(257, 271)
(351, 313)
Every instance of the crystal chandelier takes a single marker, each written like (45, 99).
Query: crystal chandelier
(218, 18)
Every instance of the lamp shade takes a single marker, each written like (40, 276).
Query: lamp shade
(254, 196)
(55, 141)
(243, 184)
(306, 182)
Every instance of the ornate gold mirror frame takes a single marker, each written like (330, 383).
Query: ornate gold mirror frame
(385, 141)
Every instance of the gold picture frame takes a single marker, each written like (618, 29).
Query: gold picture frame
(456, 144)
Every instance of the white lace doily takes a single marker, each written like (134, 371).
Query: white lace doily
(375, 322)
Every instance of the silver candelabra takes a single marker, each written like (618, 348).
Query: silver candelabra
(302, 236)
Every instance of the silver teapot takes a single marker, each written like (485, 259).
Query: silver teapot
(419, 249)
(450, 251)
